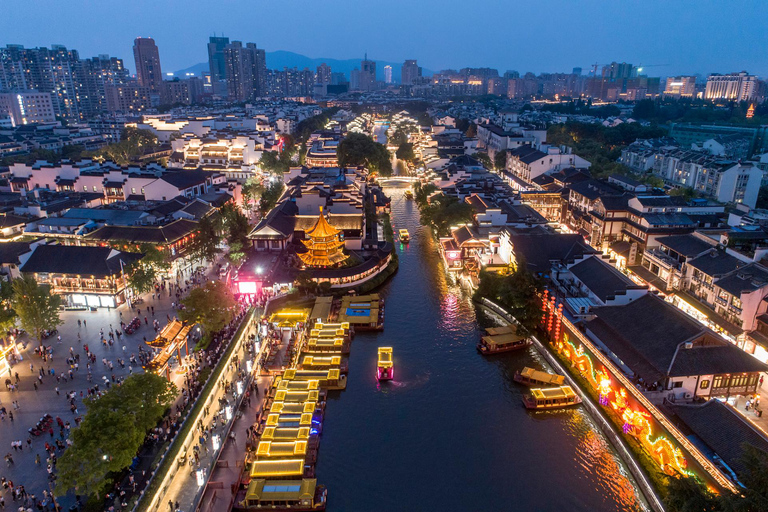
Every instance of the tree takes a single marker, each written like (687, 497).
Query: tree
(405, 152)
(111, 433)
(500, 160)
(37, 307)
(236, 225)
(8, 315)
(205, 244)
(252, 191)
(141, 276)
(358, 149)
(445, 211)
(471, 131)
(212, 306)
(684, 494)
(270, 196)
(484, 159)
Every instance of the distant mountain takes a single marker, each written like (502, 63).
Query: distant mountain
(282, 59)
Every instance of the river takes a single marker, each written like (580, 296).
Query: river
(450, 432)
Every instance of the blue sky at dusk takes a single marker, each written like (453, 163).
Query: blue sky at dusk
(542, 36)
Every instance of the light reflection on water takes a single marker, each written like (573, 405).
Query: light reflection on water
(450, 432)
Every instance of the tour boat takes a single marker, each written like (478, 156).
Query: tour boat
(531, 377)
(385, 369)
(502, 343)
(551, 398)
(405, 237)
(408, 194)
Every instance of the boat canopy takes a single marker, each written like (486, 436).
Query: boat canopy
(293, 407)
(277, 468)
(502, 339)
(539, 376)
(385, 357)
(507, 329)
(300, 420)
(562, 392)
(298, 385)
(285, 433)
(316, 360)
(267, 449)
(283, 395)
(280, 490)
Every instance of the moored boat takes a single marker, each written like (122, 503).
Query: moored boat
(405, 237)
(385, 368)
(551, 398)
(502, 343)
(531, 377)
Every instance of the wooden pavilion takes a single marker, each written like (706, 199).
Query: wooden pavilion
(170, 339)
(325, 246)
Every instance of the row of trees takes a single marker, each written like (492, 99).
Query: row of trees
(517, 292)
(111, 433)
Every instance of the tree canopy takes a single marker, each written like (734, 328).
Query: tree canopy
(236, 228)
(134, 142)
(405, 152)
(212, 306)
(8, 315)
(111, 433)
(205, 244)
(359, 149)
(518, 292)
(36, 305)
(443, 211)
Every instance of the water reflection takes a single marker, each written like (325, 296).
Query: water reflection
(450, 432)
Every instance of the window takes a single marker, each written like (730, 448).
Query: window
(677, 384)
(94, 188)
(133, 190)
(85, 188)
(719, 382)
(705, 384)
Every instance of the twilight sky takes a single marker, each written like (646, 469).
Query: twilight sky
(685, 36)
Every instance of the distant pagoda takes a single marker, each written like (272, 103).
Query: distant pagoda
(325, 246)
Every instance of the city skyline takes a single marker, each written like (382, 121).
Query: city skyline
(527, 42)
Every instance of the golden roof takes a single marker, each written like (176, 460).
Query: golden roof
(322, 229)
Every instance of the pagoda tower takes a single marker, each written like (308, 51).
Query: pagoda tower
(325, 246)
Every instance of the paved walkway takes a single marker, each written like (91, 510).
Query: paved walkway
(182, 487)
(740, 402)
(45, 400)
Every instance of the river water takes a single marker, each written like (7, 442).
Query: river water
(450, 432)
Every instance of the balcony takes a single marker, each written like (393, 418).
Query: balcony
(663, 260)
(721, 301)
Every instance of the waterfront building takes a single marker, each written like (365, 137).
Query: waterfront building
(147, 57)
(671, 352)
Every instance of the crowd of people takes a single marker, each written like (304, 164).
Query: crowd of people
(72, 372)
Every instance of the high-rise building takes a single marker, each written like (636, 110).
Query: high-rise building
(733, 87)
(246, 71)
(323, 74)
(354, 80)
(680, 86)
(216, 62)
(291, 82)
(388, 74)
(76, 86)
(409, 72)
(367, 74)
(27, 107)
(147, 57)
(618, 71)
